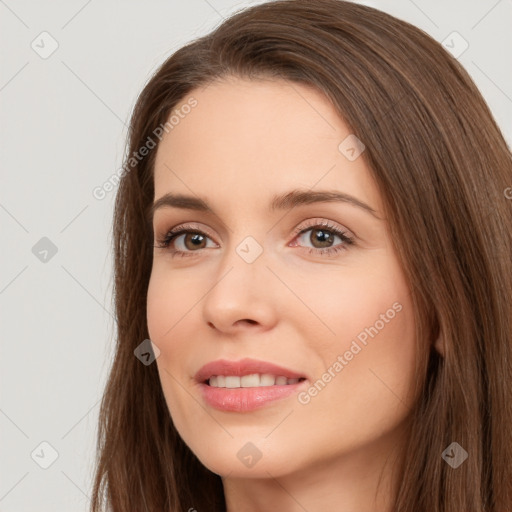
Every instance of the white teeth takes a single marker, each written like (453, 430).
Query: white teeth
(267, 380)
(232, 382)
(254, 380)
(250, 381)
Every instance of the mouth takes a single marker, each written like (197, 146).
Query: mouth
(246, 373)
(252, 380)
(246, 385)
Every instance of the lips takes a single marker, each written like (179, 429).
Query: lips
(248, 397)
(244, 367)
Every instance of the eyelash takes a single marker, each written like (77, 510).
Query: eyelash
(165, 241)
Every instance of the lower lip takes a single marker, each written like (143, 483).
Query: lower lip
(247, 399)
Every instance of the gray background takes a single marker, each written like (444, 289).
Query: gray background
(63, 124)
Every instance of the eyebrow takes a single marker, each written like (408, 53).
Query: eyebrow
(285, 201)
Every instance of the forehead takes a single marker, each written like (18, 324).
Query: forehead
(246, 140)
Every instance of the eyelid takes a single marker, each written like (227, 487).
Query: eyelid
(322, 222)
(189, 226)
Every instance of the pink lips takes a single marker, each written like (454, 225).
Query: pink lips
(243, 367)
(245, 399)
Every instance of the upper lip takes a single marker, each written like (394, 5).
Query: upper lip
(244, 367)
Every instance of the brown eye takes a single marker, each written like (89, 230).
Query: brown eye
(321, 238)
(184, 242)
(194, 241)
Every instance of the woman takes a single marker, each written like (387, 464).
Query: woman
(314, 231)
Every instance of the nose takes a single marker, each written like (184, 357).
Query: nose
(242, 296)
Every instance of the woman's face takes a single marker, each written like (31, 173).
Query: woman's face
(275, 281)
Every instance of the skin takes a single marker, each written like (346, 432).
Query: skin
(244, 142)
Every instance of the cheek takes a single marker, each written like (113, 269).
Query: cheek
(172, 310)
(367, 320)
(168, 303)
(355, 304)
(157, 298)
(168, 300)
(373, 359)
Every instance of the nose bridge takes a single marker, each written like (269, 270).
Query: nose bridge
(242, 288)
(244, 264)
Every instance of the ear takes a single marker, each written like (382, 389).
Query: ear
(439, 345)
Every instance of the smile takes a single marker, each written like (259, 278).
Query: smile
(254, 380)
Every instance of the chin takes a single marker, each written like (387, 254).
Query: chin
(245, 460)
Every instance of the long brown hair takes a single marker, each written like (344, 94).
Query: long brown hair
(443, 169)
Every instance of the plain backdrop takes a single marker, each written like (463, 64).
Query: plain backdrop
(70, 74)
